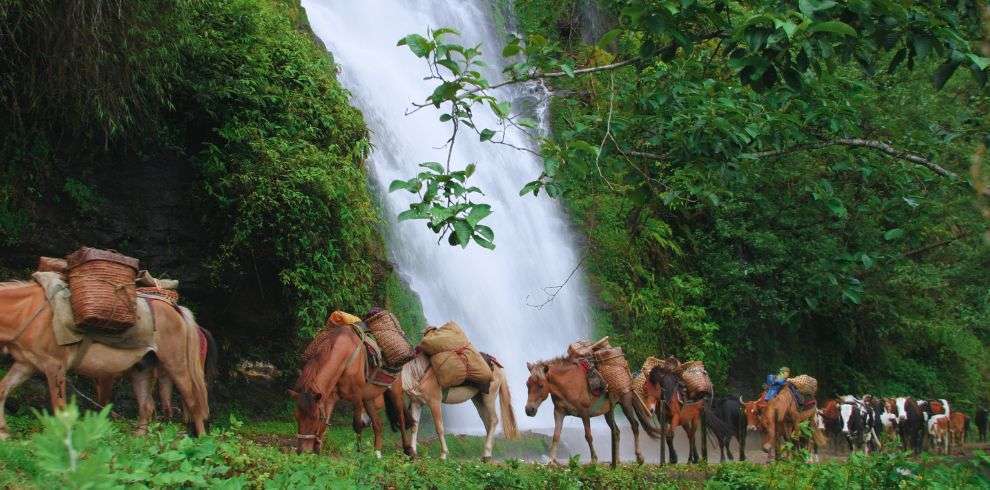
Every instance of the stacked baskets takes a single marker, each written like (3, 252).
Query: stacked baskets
(392, 340)
(103, 292)
(611, 363)
(695, 379)
(639, 382)
(806, 385)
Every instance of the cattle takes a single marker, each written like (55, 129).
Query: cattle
(939, 430)
(858, 424)
(958, 426)
(731, 410)
(910, 423)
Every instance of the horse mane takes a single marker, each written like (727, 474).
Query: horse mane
(665, 379)
(549, 363)
(15, 284)
(315, 350)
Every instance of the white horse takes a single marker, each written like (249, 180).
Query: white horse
(420, 385)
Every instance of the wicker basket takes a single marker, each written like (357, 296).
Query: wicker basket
(695, 379)
(169, 294)
(806, 385)
(103, 292)
(50, 264)
(395, 346)
(639, 382)
(611, 363)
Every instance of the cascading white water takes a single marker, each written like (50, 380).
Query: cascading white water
(484, 291)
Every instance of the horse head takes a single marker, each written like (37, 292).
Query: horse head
(754, 413)
(310, 420)
(537, 386)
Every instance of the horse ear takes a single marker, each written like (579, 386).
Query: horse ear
(294, 395)
(529, 366)
(546, 369)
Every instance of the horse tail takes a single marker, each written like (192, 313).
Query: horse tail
(196, 370)
(723, 429)
(509, 427)
(646, 419)
(395, 409)
(210, 369)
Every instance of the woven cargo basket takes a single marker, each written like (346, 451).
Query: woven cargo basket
(639, 382)
(103, 291)
(805, 384)
(695, 379)
(51, 264)
(611, 363)
(169, 294)
(387, 331)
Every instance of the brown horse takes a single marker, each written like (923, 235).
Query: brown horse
(663, 395)
(427, 391)
(334, 370)
(566, 383)
(26, 331)
(778, 419)
(208, 359)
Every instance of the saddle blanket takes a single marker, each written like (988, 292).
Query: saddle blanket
(140, 336)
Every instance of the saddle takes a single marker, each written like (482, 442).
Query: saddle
(376, 371)
(596, 382)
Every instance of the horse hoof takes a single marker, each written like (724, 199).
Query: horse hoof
(141, 431)
(639, 459)
(486, 459)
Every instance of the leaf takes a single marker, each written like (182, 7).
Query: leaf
(809, 7)
(511, 49)
(478, 213)
(411, 214)
(608, 37)
(981, 62)
(462, 232)
(486, 134)
(484, 232)
(533, 187)
(835, 205)
(450, 65)
(893, 234)
(419, 45)
(834, 27)
(469, 170)
(867, 261)
(434, 166)
(396, 185)
(944, 73)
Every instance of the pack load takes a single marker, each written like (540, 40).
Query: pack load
(695, 379)
(454, 359)
(51, 264)
(639, 382)
(149, 285)
(391, 338)
(609, 361)
(103, 291)
(806, 385)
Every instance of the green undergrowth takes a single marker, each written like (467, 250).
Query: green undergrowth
(90, 451)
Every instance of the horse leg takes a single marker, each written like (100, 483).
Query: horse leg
(486, 409)
(190, 398)
(670, 445)
(691, 430)
(104, 389)
(558, 424)
(165, 394)
(17, 374)
(376, 425)
(141, 382)
(415, 412)
(587, 437)
(358, 422)
(614, 429)
(55, 377)
(437, 413)
(630, 412)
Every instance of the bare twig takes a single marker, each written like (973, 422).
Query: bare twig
(880, 146)
(608, 131)
(553, 291)
(555, 74)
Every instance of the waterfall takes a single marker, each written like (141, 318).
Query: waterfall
(486, 292)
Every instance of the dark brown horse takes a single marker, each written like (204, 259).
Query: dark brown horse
(334, 370)
(566, 383)
(663, 395)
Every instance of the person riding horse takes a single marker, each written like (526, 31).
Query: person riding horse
(776, 382)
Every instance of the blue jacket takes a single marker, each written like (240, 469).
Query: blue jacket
(774, 384)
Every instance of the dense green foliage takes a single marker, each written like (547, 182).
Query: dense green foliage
(90, 452)
(766, 183)
(722, 228)
(233, 90)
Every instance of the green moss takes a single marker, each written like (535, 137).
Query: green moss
(405, 305)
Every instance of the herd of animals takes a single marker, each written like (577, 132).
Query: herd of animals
(341, 365)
